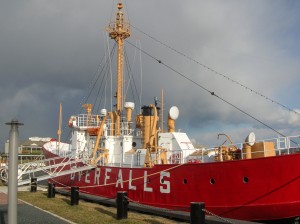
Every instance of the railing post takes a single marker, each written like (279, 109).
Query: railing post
(197, 214)
(51, 190)
(33, 184)
(74, 195)
(122, 205)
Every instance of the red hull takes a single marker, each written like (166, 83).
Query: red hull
(254, 189)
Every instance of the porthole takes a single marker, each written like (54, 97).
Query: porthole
(133, 144)
(185, 181)
(245, 180)
(212, 181)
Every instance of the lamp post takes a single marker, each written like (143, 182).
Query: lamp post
(13, 171)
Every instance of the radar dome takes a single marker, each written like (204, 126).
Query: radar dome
(129, 105)
(103, 112)
(250, 139)
(174, 112)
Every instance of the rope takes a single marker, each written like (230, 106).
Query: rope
(125, 181)
(131, 79)
(91, 85)
(152, 207)
(174, 211)
(219, 217)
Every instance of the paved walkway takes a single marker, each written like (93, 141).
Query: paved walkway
(27, 214)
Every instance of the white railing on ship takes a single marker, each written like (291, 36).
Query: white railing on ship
(126, 128)
(29, 158)
(282, 146)
(85, 120)
(61, 149)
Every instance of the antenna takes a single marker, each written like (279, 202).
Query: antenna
(59, 123)
(162, 110)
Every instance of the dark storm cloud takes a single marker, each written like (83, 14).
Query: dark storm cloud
(50, 51)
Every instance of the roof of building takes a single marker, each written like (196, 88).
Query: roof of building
(35, 141)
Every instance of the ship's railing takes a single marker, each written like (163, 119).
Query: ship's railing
(85, 120)
(114, 30)
(177, 156)
(126, 128)
(282, 146)
(93, 121)
(59, 148)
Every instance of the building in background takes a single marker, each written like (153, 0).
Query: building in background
(33, 145)
(28, 150)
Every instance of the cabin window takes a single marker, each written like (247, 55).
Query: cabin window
(212, 181)
(133, 144)
(185, 181)
(245, 180)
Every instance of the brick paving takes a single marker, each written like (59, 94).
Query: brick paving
(4, 198)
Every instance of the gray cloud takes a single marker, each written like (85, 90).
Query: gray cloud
(50, 51)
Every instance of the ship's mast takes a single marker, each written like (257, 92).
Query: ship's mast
(119, 31)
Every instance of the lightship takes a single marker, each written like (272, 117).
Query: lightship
(255, 180)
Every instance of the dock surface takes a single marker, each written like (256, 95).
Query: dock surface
(29, 214)
(26, 213)
(178, 215)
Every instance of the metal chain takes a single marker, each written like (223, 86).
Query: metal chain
(147, 206)
(167, 210)
(219, 217)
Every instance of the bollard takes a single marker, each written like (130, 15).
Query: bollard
(74, 195)
(122, 205)
(33, 184)
(51, 190)
(197, 215)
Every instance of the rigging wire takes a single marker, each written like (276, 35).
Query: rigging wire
(94, 83)
(91, 86)
(218, 73)
(105, 52)
(133, 65)
(112, 11)
(102, 82)
(111, 75)
(105, 76)
(129, 71)
(126, 11)
(207, 90)
(141, 67)
(83, 99)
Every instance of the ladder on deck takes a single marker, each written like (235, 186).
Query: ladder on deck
(46, 169)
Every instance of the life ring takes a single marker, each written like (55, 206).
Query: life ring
(193, 161)
(70, 123)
